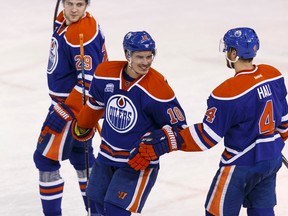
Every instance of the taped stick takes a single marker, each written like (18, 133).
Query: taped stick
(81, 39)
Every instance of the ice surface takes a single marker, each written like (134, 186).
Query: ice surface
(187, 34)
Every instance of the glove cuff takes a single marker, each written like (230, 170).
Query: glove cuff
(174, 139)
(87, 135)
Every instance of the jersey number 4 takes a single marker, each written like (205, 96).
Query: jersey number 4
(267, 122)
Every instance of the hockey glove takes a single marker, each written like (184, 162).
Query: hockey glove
(159, 142)
(82, 134)
(58, 118)
(136, 161)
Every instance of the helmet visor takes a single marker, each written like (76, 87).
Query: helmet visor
(222, 46)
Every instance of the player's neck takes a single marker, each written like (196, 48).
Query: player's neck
(243, 66)
(130, 72)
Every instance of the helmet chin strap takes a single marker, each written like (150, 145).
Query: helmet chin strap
(130, 66)
(230, 63)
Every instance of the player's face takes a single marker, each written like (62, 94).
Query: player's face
(74, 10)
(141, 62)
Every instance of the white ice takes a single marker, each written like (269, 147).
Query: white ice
(187, 34)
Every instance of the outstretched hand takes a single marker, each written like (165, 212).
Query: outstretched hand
(154, 144)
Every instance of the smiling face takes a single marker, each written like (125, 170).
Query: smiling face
(139, 63)
(74, 10)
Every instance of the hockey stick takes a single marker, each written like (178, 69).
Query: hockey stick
(285, 161)
(55, 13)
(84, 102)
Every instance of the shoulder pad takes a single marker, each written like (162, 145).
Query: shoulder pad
(156, 85)
(86, 26)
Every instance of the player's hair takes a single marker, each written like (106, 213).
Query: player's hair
(87, 1)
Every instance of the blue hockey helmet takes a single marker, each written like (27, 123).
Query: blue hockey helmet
(244, 40)
(138, 41)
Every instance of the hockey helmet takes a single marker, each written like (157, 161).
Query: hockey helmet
(244, 40)
(138, 41)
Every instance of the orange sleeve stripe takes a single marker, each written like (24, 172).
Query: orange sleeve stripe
(284, 125)
(206, 139)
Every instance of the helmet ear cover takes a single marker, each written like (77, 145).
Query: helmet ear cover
(246, 60)
(244, 40)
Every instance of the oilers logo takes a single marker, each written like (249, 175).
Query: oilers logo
(53, 56)
(121, 113)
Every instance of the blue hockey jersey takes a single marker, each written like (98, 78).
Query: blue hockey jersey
(146, 104)
(250, 112)
(64, 64)
(65, 78)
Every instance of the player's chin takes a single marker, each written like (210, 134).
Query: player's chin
(74, 19)
(143, 71)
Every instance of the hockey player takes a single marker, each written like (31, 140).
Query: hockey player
(134, 98)
(56, 142)
(250, 112)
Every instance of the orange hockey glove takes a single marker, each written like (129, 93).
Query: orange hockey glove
(159, 142)
(136, 161)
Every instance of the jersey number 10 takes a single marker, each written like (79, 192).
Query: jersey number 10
(175, 115)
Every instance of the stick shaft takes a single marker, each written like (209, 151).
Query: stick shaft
(81, 38)
(285, 161)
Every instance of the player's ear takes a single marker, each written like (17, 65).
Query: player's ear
(233, 53)
(128, 56)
